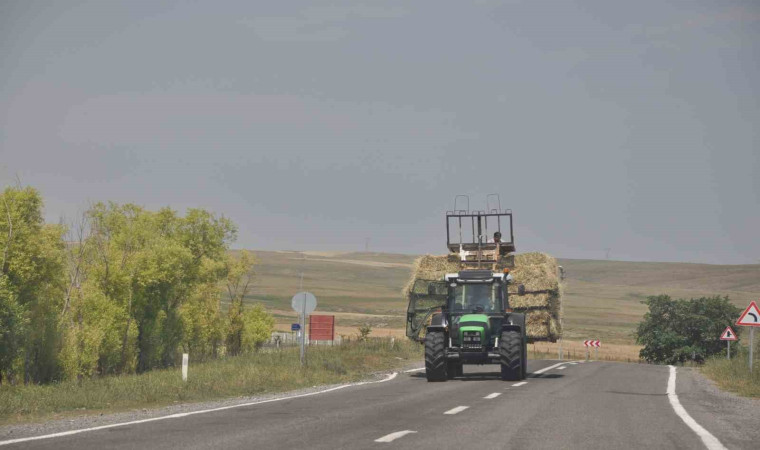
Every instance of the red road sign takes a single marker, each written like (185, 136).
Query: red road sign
(321, 328)
(750, 317)
(728, 335)
(592, 343)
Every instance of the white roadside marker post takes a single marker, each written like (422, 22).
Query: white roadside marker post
(185, 358)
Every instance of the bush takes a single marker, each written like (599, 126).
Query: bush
(676, 331)
(364, 332)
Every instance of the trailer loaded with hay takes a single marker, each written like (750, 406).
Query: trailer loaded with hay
(481, 303)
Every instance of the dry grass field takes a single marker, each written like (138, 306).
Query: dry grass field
(602, 298)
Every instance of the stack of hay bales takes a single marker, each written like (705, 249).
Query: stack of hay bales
(536, 271)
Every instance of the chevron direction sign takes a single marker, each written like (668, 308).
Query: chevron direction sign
(592, 343)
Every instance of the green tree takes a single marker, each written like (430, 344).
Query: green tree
(239, 281)
(675, 331)
(31, 287)
(258, 325)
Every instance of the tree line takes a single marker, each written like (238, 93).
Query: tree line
(120, 290)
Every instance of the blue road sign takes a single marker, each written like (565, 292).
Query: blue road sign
(295, 326)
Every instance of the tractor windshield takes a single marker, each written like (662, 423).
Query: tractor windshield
(481, 297)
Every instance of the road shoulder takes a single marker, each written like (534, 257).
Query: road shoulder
(29, 429)
(733, 419)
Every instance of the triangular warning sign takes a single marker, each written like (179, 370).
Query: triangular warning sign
(750, 317)
(728, 335)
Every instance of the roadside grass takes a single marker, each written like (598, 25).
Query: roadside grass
(255, 374)
(733, 375)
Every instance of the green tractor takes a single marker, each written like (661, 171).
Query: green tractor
(466, 317)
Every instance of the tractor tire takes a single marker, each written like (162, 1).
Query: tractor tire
(525, 359)
(454, 369)
(511, 355)
(435, 356)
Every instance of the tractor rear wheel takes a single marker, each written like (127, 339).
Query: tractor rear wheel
(510, 353)
(435, 356)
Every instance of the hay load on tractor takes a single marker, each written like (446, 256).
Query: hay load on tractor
(481, 303)
(540, 301)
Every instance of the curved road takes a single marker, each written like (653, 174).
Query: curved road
(561, 405)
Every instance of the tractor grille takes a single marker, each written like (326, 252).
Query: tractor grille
(471, 340)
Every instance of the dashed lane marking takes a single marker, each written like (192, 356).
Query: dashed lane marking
(393, 436)
(546, 369)
(520, 384)
(490, 396)
(562, 368)
(456, 410)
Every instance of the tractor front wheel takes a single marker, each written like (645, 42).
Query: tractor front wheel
(511, 355)
(435, 356)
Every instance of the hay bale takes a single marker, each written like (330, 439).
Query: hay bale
(548, 301)
(537, 271)
(541, 324)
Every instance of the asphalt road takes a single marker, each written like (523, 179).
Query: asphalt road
(572, 405)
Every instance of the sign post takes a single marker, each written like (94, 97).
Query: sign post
(303, 303)
(728, 335)
(750, 318)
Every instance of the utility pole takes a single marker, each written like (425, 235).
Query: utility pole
(607, 252)
(366, 245)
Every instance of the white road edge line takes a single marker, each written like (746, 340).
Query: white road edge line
(520, 384)
(710, 441)
(490, 396)
(456, 410)
(414, 370)
(191, 413)
(393, 436)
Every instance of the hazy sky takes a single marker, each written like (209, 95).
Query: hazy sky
(313, 125)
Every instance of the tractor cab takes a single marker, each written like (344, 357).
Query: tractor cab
(477, 291)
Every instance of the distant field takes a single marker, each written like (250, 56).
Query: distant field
(602, 298)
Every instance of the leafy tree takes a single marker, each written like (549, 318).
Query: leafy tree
(31, 287)
(258, 325)
(239, 279)
(675, 331)
(123, 289)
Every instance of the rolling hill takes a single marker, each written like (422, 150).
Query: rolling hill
(602, 298)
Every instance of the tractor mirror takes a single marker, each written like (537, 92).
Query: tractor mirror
(520, 289)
